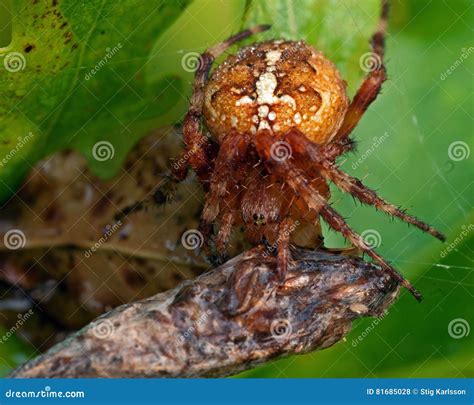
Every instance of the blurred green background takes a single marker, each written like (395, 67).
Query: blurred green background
(415, 147)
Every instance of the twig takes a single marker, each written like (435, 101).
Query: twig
(225, 321)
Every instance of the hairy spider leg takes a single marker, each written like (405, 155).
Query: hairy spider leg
(224, 176)
(372, 84)
(223, 235)
(160, 195)
(198, 151)
(196, 144)
(302, 186)
(283, 254)
(232, 149)
(351, 185)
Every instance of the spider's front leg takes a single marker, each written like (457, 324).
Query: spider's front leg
(283, 255)
(231, 152)
(371, 85)
(197, 146)
(301, 185)
(160, 195)
(199, 151)
(345, 182)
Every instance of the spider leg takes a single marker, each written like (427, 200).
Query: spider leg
(283, 255)
(223, 236)
(198, 152)
(301, 185)
(219, 202)
(196, 143)
(352, 185)
(368, 196)
(372, 84)
(337, 222)
(232, 148)
(160, 195)
(337, 148)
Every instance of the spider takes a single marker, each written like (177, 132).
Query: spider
(279, 116)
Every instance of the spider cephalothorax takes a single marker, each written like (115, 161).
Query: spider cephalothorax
(279, 115)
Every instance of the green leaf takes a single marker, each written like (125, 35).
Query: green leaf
(101, 70)
(340, 29)
(75, 74)
(404, 144)
(97, 75)
(12, 351)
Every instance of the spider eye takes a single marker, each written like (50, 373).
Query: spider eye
(259, 220)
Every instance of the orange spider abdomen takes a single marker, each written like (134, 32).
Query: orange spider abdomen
(276, 85)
